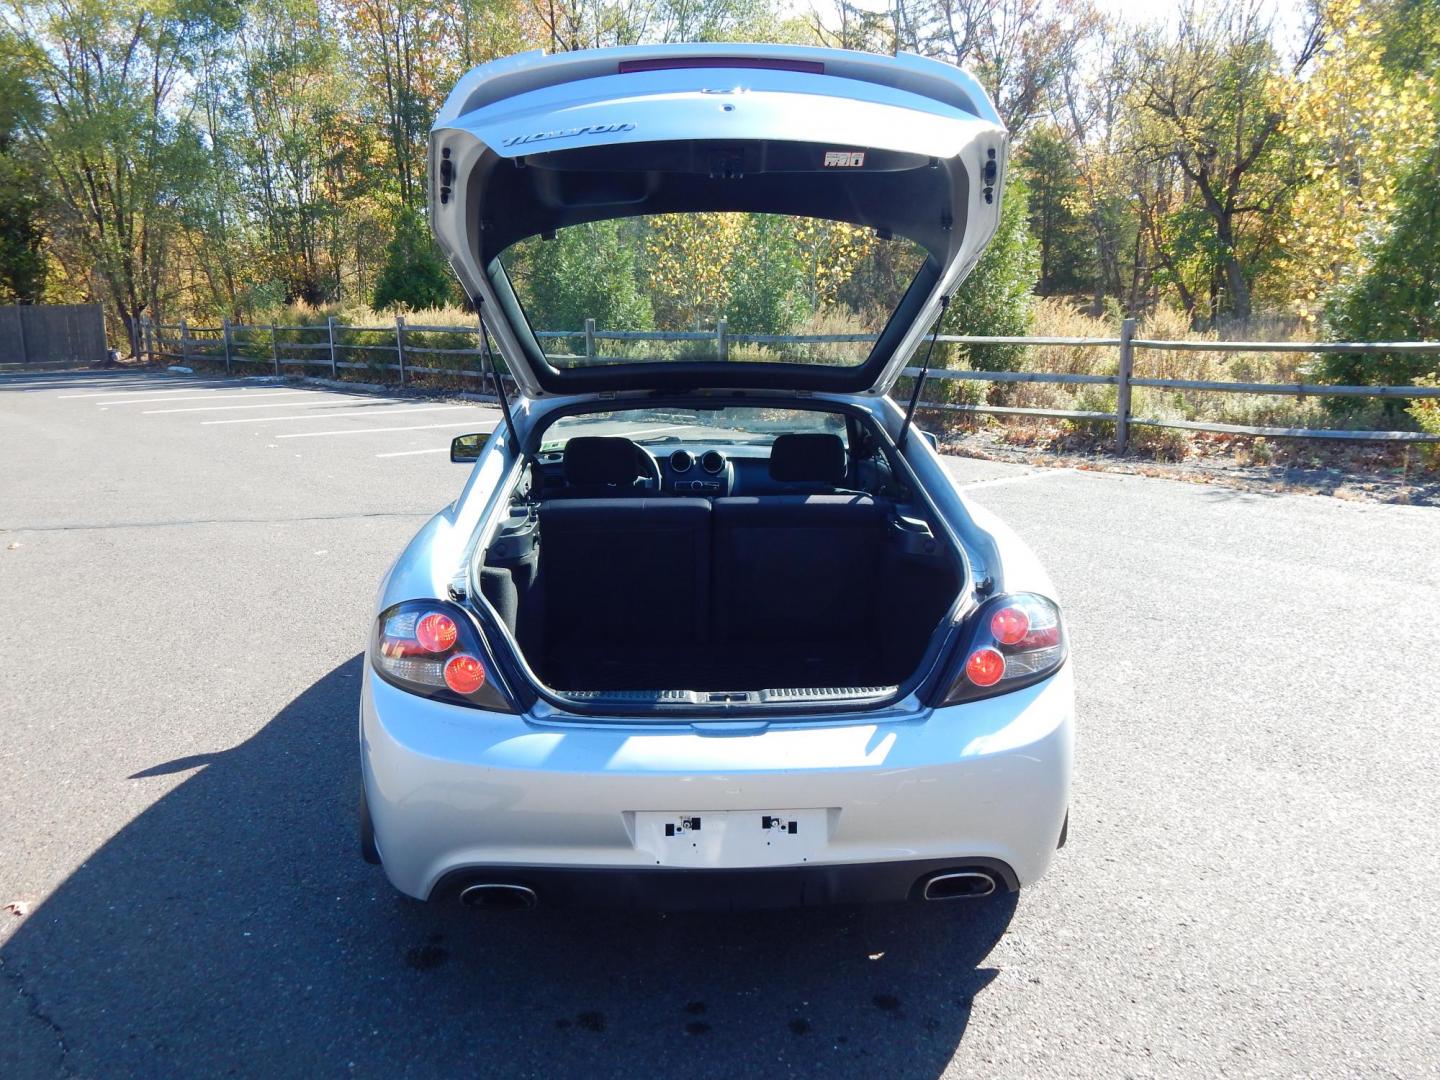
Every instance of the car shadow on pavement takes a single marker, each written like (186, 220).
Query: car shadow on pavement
(232, 928)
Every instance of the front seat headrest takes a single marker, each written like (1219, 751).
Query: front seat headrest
(601, 459)
(817, 458)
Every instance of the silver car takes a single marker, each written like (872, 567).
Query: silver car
(709, 623)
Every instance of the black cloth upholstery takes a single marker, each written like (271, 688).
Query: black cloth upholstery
(794, 567)
(808, 458)
(625, 571)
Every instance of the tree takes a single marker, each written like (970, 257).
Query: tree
(997, 298)
(115, 157)
(290, 85)
(1397, 296)
(1017, 48)
(414, 275)
(22, 256)
(586, 272)
(1213, 98)
(1047, 162)
(1358, 121)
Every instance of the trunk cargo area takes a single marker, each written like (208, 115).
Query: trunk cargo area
(729, 594)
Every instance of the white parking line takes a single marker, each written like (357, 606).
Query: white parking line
(251, 394)
(1043, 474)
(228, 408)
(373, 410)
(147, 390)
(372, 430)
(411, 453)
(652, 430)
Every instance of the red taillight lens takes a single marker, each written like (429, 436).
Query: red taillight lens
(1017, 640)
(1009, 625)
(985, 667)
(436, 632)
(464, 674)
(434, 649)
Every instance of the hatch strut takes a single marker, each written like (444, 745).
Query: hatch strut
(924, 372)
(487, 355)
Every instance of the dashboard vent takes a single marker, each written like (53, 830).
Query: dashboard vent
(681, 460)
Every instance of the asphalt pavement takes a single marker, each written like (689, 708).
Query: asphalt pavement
(187, 568)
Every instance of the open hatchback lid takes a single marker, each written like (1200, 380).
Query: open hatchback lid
(812, 165)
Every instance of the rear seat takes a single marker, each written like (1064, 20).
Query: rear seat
(797, 567)
(626, 569)
(684, 571)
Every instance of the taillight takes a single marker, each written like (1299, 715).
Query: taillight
(433, 649)
(1017, 639)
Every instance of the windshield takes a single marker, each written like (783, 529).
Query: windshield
(710, 286)
(713, 427)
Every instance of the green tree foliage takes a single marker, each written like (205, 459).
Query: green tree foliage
(1048, 164)
(1210, 100)
(414, 275)
(22, 258)
(585, 272)
(202, 158)
(997, 299)
(116, 156)
(1397, 298)
(768, 281)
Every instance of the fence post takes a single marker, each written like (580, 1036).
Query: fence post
(275, 348)
(722, 340)
(330, 332)
(1122, 386)
(184, 342)
(225, 330)
(150, 335)
(20, 325)
(400, 344)
(589, 339)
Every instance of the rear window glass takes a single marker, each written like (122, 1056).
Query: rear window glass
(710, 286)
(710, 427)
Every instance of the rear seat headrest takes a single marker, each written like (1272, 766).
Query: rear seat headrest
(601, 459)
(817, 458)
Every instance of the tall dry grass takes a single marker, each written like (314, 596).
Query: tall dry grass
(1059, 318)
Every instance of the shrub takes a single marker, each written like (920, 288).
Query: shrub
(414, 275)
(1426, 413)
(1397, 297)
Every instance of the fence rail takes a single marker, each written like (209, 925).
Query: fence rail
(229, 348)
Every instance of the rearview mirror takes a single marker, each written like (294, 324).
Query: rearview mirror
(932, 439)
(466, 448)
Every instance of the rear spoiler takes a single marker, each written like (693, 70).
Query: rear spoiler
(534, 70)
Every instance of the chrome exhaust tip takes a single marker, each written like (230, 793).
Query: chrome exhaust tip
(494, 896)
(959, 885)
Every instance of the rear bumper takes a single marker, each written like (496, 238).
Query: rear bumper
(691, 890)
(458, 795)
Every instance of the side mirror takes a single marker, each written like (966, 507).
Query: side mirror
(466, 448)
(932, 439)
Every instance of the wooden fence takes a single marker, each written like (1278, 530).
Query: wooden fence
(54, 335)
(337, 346)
